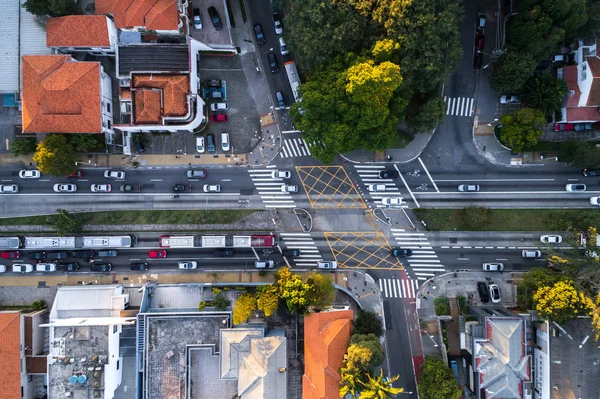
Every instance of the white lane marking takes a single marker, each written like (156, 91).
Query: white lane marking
(406, 185)
(255, 254)
(370, 167)
(428, 175)
(156, 179)
(462, 258)
(225, 179)
(501, 180)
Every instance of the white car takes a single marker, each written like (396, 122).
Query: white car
(551, 239)
(101, 188)
(191, 264)
(219, 107)
(30, 174)
(289, 188)
(388, 201)
(376, 187)
(2, 268)
(281, 174)
(9, 188)
(225, 141)
(595, 201)
(45, 267)
(327, 265)
(114, 174)
(495, 293)
(200, 144)
(22, 268)
(212, 188)
(468, 188)
(65, 188)
(283, 47)
(506, 99)
(492, 267)
(575, 188)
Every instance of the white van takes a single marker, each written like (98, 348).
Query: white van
(225, 141)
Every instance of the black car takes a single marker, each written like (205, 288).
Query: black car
(129, 188)
(181, 188)
(107, 253)
(388, 174)
(484, 294)
(591, 172)
(260, 38)
(83, 254)
(292, 252)
(212, 83)
(139, 266)
(101, 267)
(57, 255)
(273, 63)
(68, 267)
(401, 252)
(38, 255)
(223, 252)
(478, 60)
(214, 18)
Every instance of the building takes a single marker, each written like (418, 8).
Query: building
(326, 339)
(94, 34)
(23, 354)
(62, 95)
(84, 331)
(161, 16)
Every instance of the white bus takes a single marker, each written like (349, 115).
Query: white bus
(294, 78)
(177, 241)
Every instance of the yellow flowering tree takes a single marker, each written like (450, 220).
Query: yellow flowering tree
(267, 299)
(293, 290)
(596, 317)
(243, 308)
(561, 302)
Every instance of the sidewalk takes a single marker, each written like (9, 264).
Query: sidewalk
(398, 155)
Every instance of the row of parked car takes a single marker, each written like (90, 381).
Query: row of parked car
(577, 127)
(203, 145)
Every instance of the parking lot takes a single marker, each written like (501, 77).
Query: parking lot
(209, 35)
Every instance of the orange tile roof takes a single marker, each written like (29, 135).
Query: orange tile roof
(125, 93)
(174, 91)
(326, 339)
(78, 31)
(147, 106)
(153, 14)
(10, 355)
(60, 95)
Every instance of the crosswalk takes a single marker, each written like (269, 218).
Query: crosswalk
(398, 288)
(369, 174)
(309, 253)
(423, 262)
(459, 106)
(295, 147)
(269, 189)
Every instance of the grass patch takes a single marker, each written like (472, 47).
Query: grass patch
(508, 219)
(442, 306)
(217, 216)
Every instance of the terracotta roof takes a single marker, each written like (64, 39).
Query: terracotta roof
(174, 90)
(10, 355)
(582, 114)
(147, 106)
(326, 339)
(153, 14)
(594, 63)
(125, 93)
(60, 95)
(78, 31)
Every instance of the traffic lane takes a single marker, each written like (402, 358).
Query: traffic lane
(482, 239)
(473, 259)
(549, 199)
(546, 185)
(439, 173)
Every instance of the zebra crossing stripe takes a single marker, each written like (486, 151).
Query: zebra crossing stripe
(398, 288)
(459, 106)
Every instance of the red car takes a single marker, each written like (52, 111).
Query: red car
(564, 127)
(479, 41)
(161, 253)
(78, 175)
(218, 118)
(10, 255)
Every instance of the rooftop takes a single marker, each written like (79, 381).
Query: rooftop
(165, 58)
(93, 301)
(152, 14)
(78, 31)
(60, 95)
(10, 355)
(156, 96)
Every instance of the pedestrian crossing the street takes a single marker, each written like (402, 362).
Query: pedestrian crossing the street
(295, 147)
(269, 189)
(423, 262)
(309, 253)
(369, 174)
(459, 106)
(398, 288)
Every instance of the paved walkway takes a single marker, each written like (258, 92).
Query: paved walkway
(398, 155)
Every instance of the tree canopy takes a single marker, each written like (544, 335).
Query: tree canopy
(561, 302)
(368, 323)
(522, 128)
(55, 156)
(512, 71)
(53, 8)
(544, 92)
(437, 380)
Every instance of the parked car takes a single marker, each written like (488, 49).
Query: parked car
(22, 268)
(2, 268)
(196, 174)
(88, 254)
(575, 188)
(216, 118)
(478, 60)
(283, 47)
(141, 266)
(219, 107)
(114, 174)
(223, 252)
(107, 253)
(391, 201)
(531, 253)
(492, 267)
(588, 126)
(30, 174)
(57, 255)
(482, 289)
(101, 267)
(281, 174)
(212, 83)
(101, 188)
(507, 99)
(214, 18)
(131, 188)
(595, 201)
(264, 264)
(9, 188)
(551, 239)
(212, 188)
(158, 253)
(10, 255)
(190, 264)
(45, 267)
(210, 143)
(181, 188)
(376, 187)
(225, 142)
(495, 293)
(277, 23)
(260, 37)
(273, 64)
(197, 19)
(214, 95)
(480, 21)
(564, 127)
(389, 174)
(69, 267)
(479, 40)
(76, 175)
(280, 100)
(200, 144)
(468, 187)
(37, 255)
(591, 172)
(579, 127)
(330, 265)
(65, 188)
(401, 252)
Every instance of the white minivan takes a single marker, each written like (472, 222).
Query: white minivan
(225, 141)
(200, 144)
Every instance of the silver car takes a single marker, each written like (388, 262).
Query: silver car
(65, 188)
(327, 265)
(114, 174)
(9, 188)
(191, 264)
(30, 174)
(493, 267)
(468, 187)
(575, 188)
(281, 174)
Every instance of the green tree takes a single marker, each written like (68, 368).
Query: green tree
(522, 129)
(83, 142)
(475, 217)
(53, 8)
(368, 323)
(437, 380)
(534, 279)
(67, 223)
(220, 302)
(580, 154)
(55, 157)
(512, 71)
(243, 308)
(23, 146)
(380, 387)
(569, 15)
(544, 92)
(532, 31)
(429, 114)
(372, 344)
(322, 292)
(267, 299)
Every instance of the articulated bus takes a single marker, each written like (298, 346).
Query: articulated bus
(256, 241)
(88, 242)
